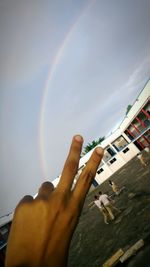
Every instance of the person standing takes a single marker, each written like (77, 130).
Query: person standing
(141, 158)
(114, 187)
(107, 203)
(102, 209)
(147, 149)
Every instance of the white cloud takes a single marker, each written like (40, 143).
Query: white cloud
(139, 76)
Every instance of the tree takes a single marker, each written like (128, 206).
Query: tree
(128, 108)
(91, 145)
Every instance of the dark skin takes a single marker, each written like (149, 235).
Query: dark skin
(42, 228)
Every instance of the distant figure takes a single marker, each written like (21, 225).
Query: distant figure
(107, 203)
(141, 158)
(147, 149)
(102, 209)
(114, 187)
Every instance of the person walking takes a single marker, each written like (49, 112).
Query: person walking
(102, 209)
(107, 203)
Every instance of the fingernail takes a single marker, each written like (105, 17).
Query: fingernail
(99, 151)
(78, 138)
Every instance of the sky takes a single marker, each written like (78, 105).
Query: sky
(66, 67)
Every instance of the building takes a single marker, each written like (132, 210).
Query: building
(132, 136)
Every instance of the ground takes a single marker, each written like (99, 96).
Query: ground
(94, 242)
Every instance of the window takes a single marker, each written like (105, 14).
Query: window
(4, 231)
(144, 118)
(100, 170)
(136, 126)
(95, 183)
(120, 143)
(129, 135)
(112, 160)
(111, 151)
(147, 107)
(146, 122)
(126, 150)
(147, 135)
(108, 154)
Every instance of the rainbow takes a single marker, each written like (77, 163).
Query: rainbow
(47, 87)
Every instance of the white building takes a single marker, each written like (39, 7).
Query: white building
(132, 136)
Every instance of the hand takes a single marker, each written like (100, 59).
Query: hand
(42, 228)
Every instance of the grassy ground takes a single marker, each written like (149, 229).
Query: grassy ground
(94, 242)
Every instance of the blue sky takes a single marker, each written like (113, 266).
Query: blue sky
(66, 67)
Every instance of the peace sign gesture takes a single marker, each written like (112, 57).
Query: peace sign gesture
(42, 228)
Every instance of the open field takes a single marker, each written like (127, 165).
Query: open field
(94, 242)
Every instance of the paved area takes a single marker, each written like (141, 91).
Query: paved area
(94, 242)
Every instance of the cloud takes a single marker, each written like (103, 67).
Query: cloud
(139, 76)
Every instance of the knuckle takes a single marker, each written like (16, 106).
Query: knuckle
(74, 209)
(60, 194)
(60, 200)
(47, 185)
(41, 205)
(23, 203)
(41, 202)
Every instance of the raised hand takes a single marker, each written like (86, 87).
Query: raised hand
(42, 228)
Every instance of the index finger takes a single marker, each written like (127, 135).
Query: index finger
(86, 177)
